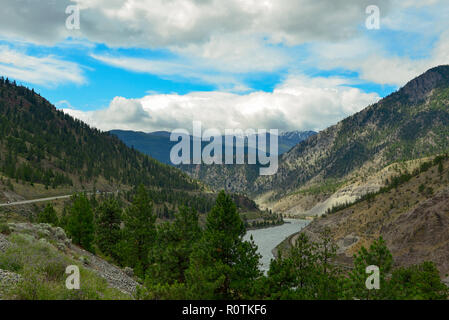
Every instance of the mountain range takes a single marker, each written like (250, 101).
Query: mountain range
(158, 145)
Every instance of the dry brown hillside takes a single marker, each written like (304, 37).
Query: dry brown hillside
(413, 218)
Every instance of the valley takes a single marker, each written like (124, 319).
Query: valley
(377, 178)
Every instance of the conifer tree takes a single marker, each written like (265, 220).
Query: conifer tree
(223, 266)
(170, 256)
(108, 227)
(377, 255)
(80, 222)
(294, 274)
(416, 282)
(139, 232)
(48, 216)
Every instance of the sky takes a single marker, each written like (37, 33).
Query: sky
(149, 65)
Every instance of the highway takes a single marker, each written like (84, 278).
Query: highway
(34, 201)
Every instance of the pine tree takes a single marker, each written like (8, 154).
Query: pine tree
(223, 266)
(48, 216)
(377, 255)
(170, 256)
(80, 222)
(416, 282)
(139, 232)
(294, 274)
(108, 227)
(329, 283)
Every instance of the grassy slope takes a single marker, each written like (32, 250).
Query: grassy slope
(41, 265)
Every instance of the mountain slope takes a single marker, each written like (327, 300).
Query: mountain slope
(412, 216)
(155, 144)
(42, 145)
(408, 124)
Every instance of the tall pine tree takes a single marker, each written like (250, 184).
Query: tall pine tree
(223, 266)
(108, 233)
(139, 232)
(80, 222)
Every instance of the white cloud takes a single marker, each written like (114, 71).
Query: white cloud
(231, 35)
(298, 103)
(185, 22)
(174, 70)
(374, 63)
(236, 57)
(46, 71)
(149, 23)
(241, 54)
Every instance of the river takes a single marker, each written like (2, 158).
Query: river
(268, 238)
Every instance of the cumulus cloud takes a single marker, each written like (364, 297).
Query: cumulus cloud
(233, 36)
(298, 103)
(374, 63)
(46, 71)
(237, 36)
(149, 23)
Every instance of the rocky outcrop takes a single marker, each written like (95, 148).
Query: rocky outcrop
(418, 88)
(116, 277)
(44, 231)
(7, 280)
(4, 243)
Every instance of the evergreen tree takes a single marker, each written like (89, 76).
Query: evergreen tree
(294, 274)
(80, 222)
(139, 232)
(170, 256)
(329, 283)
(377, 255)
(223, 266)
(108, 231)
(48, 216)
(416, 282)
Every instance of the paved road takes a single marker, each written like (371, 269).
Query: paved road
(34, 200)
(45, 199)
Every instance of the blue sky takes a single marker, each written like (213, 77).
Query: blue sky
(158, 65)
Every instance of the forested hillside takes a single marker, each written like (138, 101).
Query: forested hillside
(40, 144)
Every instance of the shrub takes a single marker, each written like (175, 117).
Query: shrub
(4, 229)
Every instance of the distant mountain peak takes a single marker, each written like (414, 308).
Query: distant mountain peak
(296, 133)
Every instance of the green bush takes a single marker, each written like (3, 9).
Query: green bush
(4, 229)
